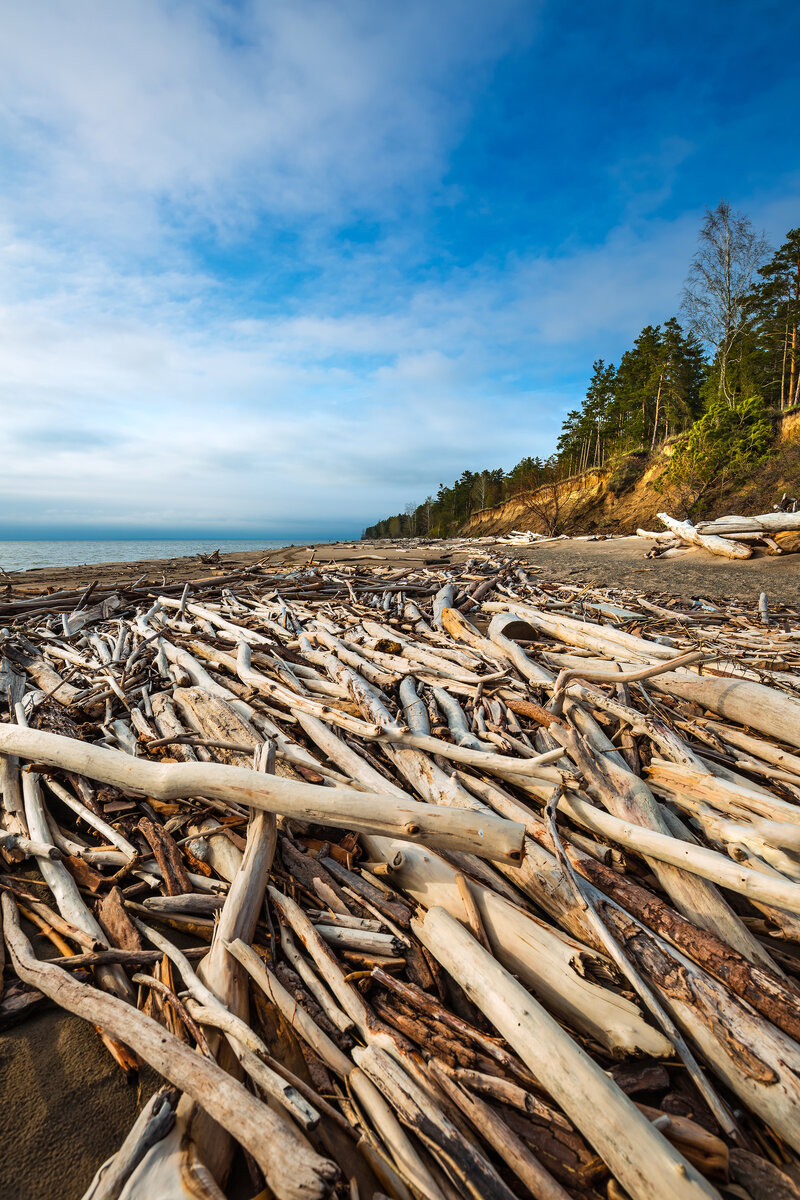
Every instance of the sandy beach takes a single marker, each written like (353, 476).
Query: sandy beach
(58, 1082)
(616, 561)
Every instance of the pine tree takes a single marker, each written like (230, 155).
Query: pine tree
(776, 300)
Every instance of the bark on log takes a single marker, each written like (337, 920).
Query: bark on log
(640, 1158)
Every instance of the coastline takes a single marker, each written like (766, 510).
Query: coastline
(54, 1073)
(615, 561)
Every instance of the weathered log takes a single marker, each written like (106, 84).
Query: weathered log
(346, 808)
(640, 1158)
(539, 1182)
(707, 541)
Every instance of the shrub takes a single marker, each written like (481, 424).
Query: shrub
(726, 442)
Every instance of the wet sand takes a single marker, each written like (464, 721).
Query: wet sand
(66, 1106)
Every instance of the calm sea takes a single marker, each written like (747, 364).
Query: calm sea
(21, 556)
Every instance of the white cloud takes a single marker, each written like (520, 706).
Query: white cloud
(140, 383)
(228, 112)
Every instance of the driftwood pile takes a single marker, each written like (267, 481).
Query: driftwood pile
(732, 536)
(419, 882)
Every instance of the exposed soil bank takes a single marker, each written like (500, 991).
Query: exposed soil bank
(629, 493)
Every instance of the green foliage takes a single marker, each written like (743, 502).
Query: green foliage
(726, 442)
(654, 393)
(452, 506)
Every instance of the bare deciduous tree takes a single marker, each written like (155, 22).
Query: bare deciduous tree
(720, 282)
(553, 505)
(411, 513)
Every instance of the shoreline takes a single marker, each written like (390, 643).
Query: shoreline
(618, 561)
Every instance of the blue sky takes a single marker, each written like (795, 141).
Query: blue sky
(279, 268)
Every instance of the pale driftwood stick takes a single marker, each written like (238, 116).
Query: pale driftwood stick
(68, 899)
(11, 793)
(322, 916)
(457, 721)
(179, 1007)
(471, 911)
(489, 836)
(359, 939)
(28, 849)
(648, 998)
(318, 990)
(255, 1065)
(85, 813)
(153, 1123)
(76, 935)
(640, 1158)
(295, 1014)
(292, 1170)
(658, 536)
(486, 760)
(613, 675)
(698, 860)
(536, 1178)
(760, 749)
(774, 522)
(191, 902)
(463, 1163)
(614, 643)
(249, 1048)
(738, 799)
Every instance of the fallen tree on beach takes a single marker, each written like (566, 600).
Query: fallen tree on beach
(729, 536)
(420, 881)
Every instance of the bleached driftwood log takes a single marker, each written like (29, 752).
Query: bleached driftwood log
(640, 1158)
(774, 522)
(707, 541)
(346, 808)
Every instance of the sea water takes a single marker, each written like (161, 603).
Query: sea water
(22, 556)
